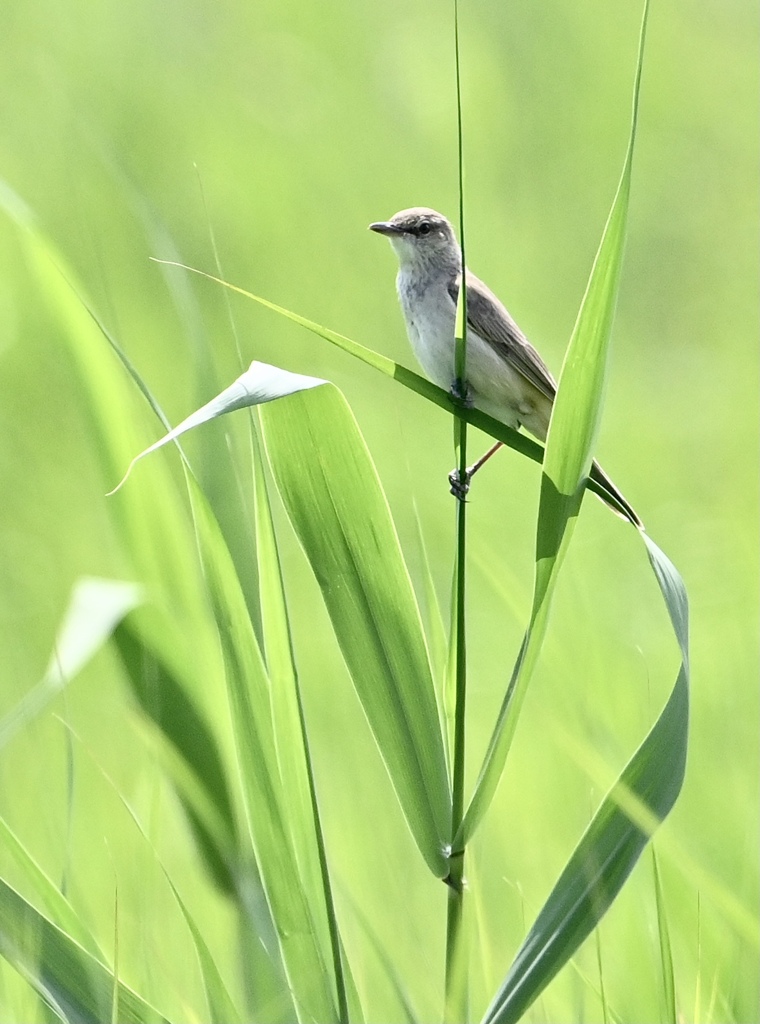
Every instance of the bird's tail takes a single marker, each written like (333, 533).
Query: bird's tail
(613, 497)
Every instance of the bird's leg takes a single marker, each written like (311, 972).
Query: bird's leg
(460, 487)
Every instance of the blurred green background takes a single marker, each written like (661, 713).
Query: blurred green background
(133, 130)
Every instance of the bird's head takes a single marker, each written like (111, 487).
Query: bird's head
(421, 237)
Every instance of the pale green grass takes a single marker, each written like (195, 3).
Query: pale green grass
(532, 233)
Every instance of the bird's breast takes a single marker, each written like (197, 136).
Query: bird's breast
(429, 314)
(496, 386)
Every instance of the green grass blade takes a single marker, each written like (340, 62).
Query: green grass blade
(221, 1005)
(260, 383)
(76, 985)
(408, 378)
(674, 592)
(569, 450)
(600, 968)
(265, 800)
(456, 997)
(434, 626)
(405, 1013)
(605, 856)
(641, 798)
(115, 985)
(151, 518)
(666, 953)
(456, 980)
(259, 948)
(290, 734)
(164, 699)
(52, 899)
(95, 608)
(333, 497)
(164, 550)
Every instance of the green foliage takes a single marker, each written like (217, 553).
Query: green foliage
(72, 983)
(271, 847)
(333, 498)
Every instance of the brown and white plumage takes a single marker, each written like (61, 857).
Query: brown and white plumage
(506, 376)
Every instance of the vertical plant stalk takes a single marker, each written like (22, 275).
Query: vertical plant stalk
(568, 455)
(456, 991)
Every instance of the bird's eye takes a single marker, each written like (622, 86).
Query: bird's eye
(424, 227)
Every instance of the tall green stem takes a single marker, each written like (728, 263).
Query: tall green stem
(456, 1004)
(456, 1000)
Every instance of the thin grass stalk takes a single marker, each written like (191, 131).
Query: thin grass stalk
(115, 993)
(697, 1016)
(602, 993)
(456, 994)
(332, 922)
(666, 955)
(456, 991)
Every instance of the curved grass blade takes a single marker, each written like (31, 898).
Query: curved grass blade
(435, 630)
(265, 799)
(650, 784)
(260, 383)
(639, 801)
(55, 903)
(569, 449)
(420, 385)
(333, 497)
(334, 500)
(72, 982)
(168, 704)
(413, 381)
(164, 549)
(95, 608)
(152, 520)
(405, 1013)
(222, 1009)
(605, 856)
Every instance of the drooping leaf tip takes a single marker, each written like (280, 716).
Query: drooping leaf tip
(124, 479)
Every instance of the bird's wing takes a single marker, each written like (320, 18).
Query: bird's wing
(489, 319)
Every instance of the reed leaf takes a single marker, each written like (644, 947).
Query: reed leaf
(334, 500)
(74, 984)
(649, 785)
(569, 450)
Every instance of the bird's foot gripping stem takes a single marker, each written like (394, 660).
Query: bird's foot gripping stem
(460, 484)
(461, 392)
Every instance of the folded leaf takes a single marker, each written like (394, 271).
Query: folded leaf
(260, 383)
(95, 609)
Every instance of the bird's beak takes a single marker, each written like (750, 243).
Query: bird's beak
(386, 228)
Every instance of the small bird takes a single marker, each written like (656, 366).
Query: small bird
(506, 376)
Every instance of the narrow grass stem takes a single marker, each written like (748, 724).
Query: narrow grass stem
(460, 640)
(460, 363)
(456, 990)
(456, 994)
(456, 1000)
